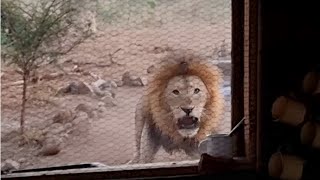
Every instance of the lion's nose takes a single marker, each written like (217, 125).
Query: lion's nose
(187, 110)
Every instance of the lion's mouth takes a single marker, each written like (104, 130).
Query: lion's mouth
(188, 122)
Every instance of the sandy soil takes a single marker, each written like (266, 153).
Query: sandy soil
(111, 136)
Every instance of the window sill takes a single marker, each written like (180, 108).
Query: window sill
(207, 165)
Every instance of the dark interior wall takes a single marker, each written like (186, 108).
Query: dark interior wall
(290, 37)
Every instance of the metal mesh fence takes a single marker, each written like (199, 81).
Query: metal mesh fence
(90, 105)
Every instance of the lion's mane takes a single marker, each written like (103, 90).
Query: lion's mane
(211, 76)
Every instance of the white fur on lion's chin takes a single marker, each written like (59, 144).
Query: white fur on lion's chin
(188, 132)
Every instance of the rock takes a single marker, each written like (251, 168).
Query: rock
(108, 100)
(50, 150)
(101, 104)
(51, 146)
(131, 80)
(76, 68)
(68, 126)
(126, 78)
(55, 128)
(63, 117)
(102, 87)
(119, 83)
(85, 108)
(10, 165)
(102, 108)
(64, 136)
(33, 136)
(85, 73)
(77, 87)
(82, 124)
(151, 69)
(81, 117)
(22, 160)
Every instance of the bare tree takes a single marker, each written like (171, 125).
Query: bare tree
(37, 32)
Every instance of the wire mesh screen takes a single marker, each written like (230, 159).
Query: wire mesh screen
(150, 84)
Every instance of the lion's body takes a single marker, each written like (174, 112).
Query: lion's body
(159, 111)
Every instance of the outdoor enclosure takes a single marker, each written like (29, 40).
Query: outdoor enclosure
(82, 107)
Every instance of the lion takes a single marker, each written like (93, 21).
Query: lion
(182, 105)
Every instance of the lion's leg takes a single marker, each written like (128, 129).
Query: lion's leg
(193, 152)
(139, 125)
(140, 119)
(151, 145)
(194, 155)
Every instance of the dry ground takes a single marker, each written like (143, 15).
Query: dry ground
(110, 140)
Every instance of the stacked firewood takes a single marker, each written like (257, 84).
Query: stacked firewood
(302, 113)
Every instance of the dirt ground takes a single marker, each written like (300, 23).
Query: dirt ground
(108, 54)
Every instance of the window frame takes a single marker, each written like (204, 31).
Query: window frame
(245, 103)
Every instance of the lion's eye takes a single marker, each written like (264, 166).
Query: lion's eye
(176, 92)
(196, 91)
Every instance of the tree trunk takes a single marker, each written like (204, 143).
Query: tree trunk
(24, 100)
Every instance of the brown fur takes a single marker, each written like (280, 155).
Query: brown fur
(154, 108)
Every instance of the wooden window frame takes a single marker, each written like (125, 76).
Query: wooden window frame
(245, 103)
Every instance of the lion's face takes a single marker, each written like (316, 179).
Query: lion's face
(186, 96)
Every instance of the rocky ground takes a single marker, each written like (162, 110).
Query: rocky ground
(82, 108)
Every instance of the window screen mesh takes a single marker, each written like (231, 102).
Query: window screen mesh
(82, 109)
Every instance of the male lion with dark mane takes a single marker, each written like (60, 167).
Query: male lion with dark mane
(182, 105)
